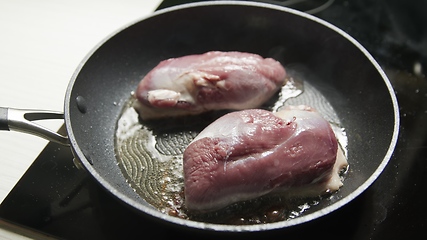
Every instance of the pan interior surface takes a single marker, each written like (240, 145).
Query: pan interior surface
(150, 154)
(334, 64)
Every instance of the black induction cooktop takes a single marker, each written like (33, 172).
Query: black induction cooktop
(55, 199)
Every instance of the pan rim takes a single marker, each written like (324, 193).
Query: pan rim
(235, 228)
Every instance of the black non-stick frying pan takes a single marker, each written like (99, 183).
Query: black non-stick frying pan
(322, 55)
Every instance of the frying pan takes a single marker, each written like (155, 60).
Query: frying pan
(340, 68)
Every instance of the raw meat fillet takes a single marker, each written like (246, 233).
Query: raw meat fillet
(250, 153)
(211, 81)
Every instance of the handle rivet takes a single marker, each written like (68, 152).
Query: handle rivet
(81, 104)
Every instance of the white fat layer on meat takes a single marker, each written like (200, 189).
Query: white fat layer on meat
(335, 180)
(331, 185)
(163, 94)
(145, 110)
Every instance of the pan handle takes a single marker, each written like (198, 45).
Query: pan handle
(22, 120)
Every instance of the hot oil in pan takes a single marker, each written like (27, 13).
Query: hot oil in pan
(150, 156)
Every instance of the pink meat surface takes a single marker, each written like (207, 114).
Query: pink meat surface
(250, 153)
(211, 81)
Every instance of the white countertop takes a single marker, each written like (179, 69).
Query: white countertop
(41, 44)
